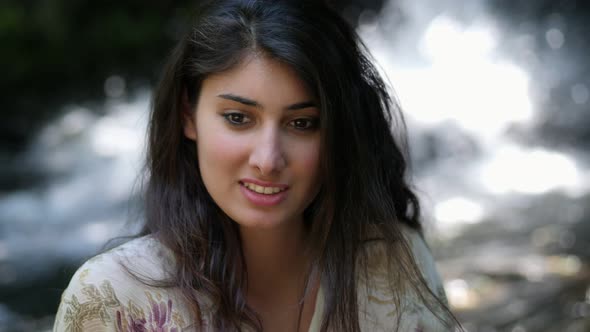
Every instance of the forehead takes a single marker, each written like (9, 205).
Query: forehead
(258, 77)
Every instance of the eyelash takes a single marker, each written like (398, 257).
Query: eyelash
(311, 122)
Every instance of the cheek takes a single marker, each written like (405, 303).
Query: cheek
(218, 149)
(308, 163)
(307, 158)
(311, 162)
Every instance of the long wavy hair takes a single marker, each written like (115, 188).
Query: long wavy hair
(364, 188)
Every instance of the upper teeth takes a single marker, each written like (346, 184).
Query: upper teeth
(261, 189)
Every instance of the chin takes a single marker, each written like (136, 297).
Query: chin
(260, 224)
(261, 221)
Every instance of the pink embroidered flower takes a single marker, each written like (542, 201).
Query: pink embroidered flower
(159, 319)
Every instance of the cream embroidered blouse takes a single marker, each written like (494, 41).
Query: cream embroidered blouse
(102, 296)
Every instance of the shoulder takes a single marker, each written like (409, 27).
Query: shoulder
(380, 309)
(109, 292)
(378, 258)
(422, 254)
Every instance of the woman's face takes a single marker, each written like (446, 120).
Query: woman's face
(256, 129)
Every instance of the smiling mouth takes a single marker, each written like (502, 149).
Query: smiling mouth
(261, 189)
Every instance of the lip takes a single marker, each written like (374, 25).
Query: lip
(264, 183)
(264, 199)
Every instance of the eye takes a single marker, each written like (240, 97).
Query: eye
(236, 119)
(304, 124)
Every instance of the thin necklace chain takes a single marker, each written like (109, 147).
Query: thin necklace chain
(300, 314)
(309, 278)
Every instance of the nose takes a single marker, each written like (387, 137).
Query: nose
(267, 153)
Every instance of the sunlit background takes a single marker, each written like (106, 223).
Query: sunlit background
(495, 96)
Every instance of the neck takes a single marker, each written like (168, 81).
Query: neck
(277, 264)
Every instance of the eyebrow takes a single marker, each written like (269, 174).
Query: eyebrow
(250, 102)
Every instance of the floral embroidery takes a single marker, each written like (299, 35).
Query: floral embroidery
(88, 304)
(76, 312)
(161, 317)
(130, 318)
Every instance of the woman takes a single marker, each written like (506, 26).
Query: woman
(275, 196)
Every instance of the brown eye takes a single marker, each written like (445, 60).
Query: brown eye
(304, 123)
(236, 119)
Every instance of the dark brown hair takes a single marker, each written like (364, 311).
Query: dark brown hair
(364, 188)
